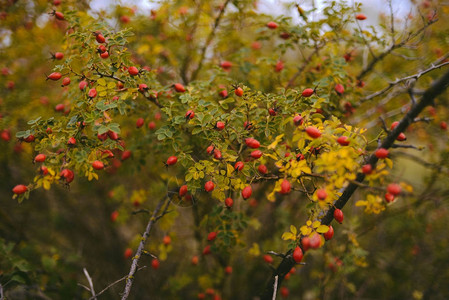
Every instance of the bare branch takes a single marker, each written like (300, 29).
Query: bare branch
(136, 258)
(91, 284)
(275, 288)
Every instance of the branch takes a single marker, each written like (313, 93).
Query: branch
(304, 65)
(379, 58)
(397, 81)
(427, 99)
(132, 271)
(112, 284)
(1, 292)
(209, 40)
(91, 284)
(275, 288)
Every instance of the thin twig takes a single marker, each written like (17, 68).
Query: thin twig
(136, 258)
(304, 65)
(91, 284)
(275, 288)
(114, 283)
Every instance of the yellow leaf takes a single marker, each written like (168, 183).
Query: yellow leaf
(111, 85)
(102, 94)
(389, 163)
(288, 236)
(293, 230)
(46, 184)
(254, 250)
(315, 224)
(230, 169)
(276, 142)
(101, 81)
(322, 229)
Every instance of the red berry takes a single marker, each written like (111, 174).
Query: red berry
(124, 19)
(209, 186)
(30, 138)
(223, 93)
(54, 76)
(126, 154)
(305, 243)
(272, 112)
(155, 263)
(226, 65)
(262, 169)
(133, 71)
(44, 170)
(98, 165)
(102, 48)
(100, 38)
(59, 55)
(252, 143)
(360, 17)
(315, 241)
(60, 107)
(217, 154)
(389, 197)
(394, 189)
(285, 187)
(313, 132)
(66, 81)
(268, 259)
(339, 89)
(104, 55)
(367, 169)
(140, 122)
(321, 194)
(246, 192)
(401, 137)
(19, 189)
(71, 141)
(247, 125)
(190, 114)
(238, 92)
(166, 240)
(67, 175)
(228, 270)
(113, 135)
(211, 236)
(338, 215)
(239, 166)
(59, 15)
(92, 93)
(171, 160)
(5, 135)
(151, 125)
(308, 92)
(381, 153)
(40, 158)
(394, 124)
(183, 190)
(329, 234)
(82, 85)
(443, 125)
(229, 202)
(219, 126)
(284, 292)
(179, 88)
(272, 25)
(279, 66)
(195, 260)
(256, 154)
(299, 156)
(128, 253)
(206, 250)
(298, 120)
(285, 35)
(143, 87)
(343, 140)
(297, 254)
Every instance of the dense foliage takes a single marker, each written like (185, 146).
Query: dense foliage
(191, 150)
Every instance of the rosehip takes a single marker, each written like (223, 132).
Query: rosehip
(262, 169)
(209, 186)
(104, 55)
(92, 93)
(66, 81)
(279, 66)
(308, 92)
(155, 263)
(54, 76)
(82, 85)
(140, 122)
(59, 15)
(58, 55)
(313, 132)
(238, 92)
(272, 112)
(381, 153)
(338, 215)
(239, 166)
(126, 154)
(229, 202)
(315, 241)
(343, 140)
(212, 236)
(179, 88)
(19, 189)
(128, 253)
(246, 192)
(443, 125)
(367, 169)
(268, 259)
(113, 135)
(133, 71)
(166, 240)
(71, 141)
(297, 254)
(67, 175)
(217, 154)
(190, 114)
(223, 93)
(360, 17)
(100, 38)
(226, 65)
(98, 165)
(228, 270)
(298, 120)
(394, 189)
(151, 125)
(305, 243)
(219, 126)
(401, 137)
(256, 154)
(195, 260)
(206, 250)
(59, 107)
(182, 190)
(272, 25)
(339, 89)
(321, 194)
(389, 197)
(40, 158)
(252, 143)
(285, 187)
(171, 160)
(329, 234)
